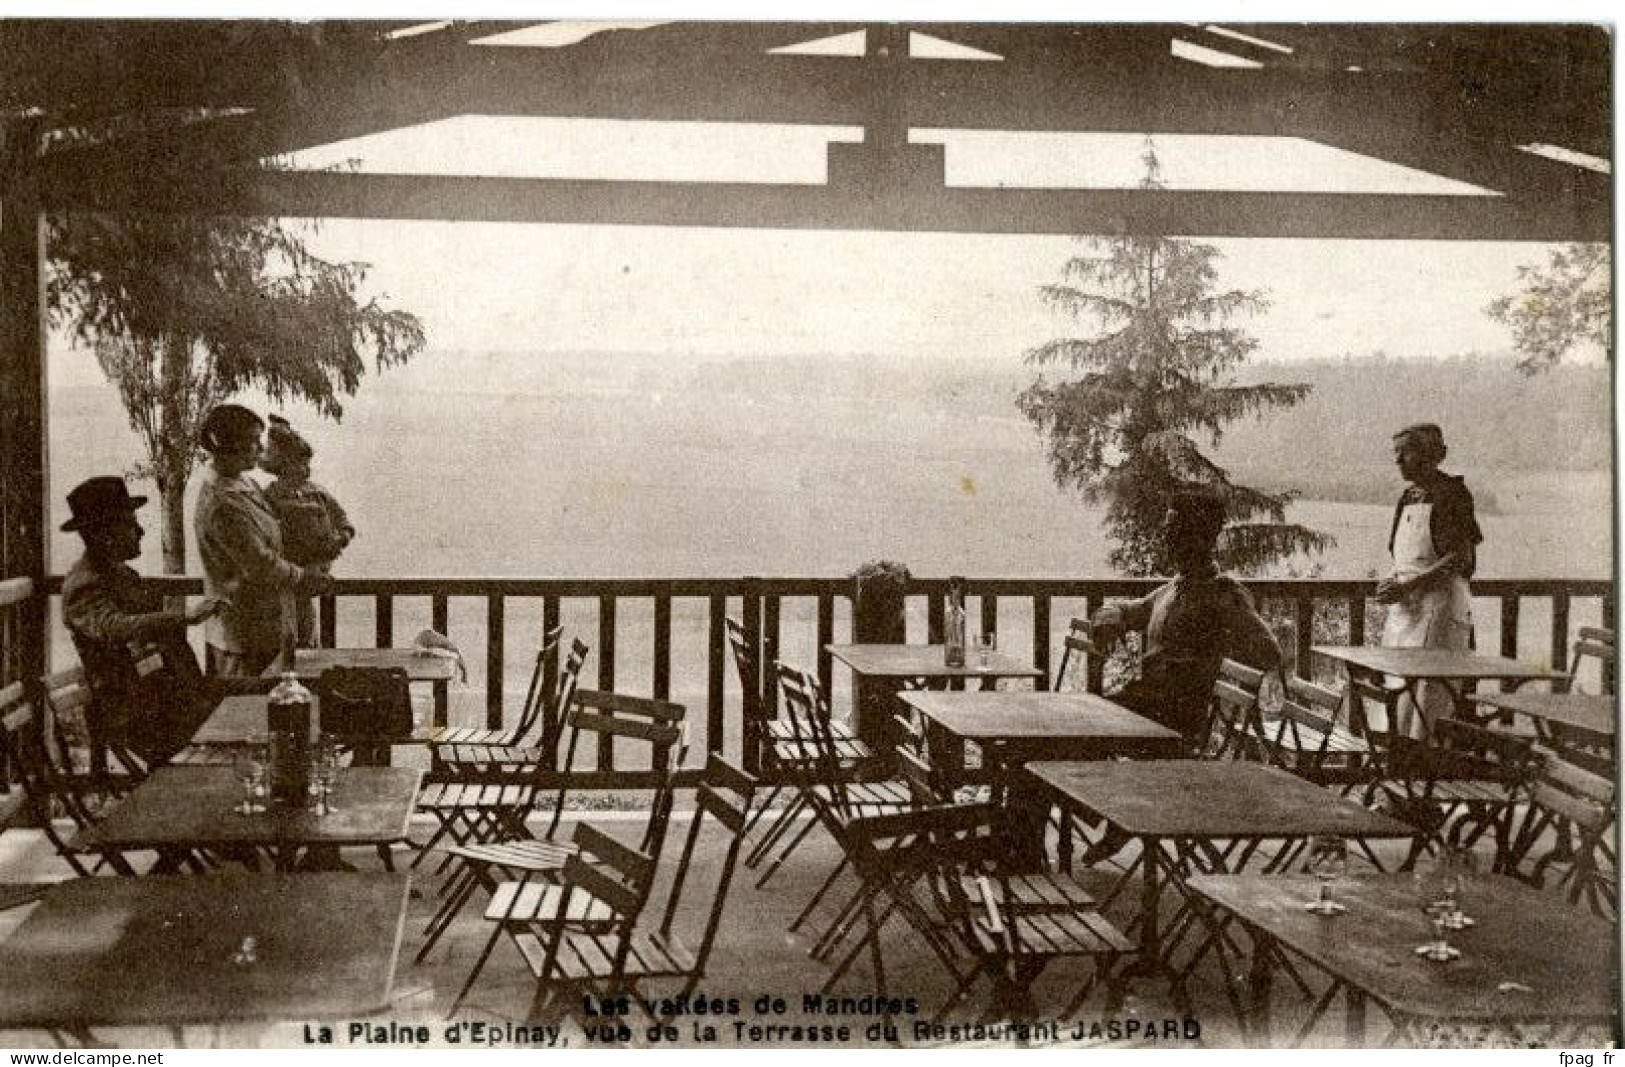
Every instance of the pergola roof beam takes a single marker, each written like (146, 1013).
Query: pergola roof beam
(848, 205)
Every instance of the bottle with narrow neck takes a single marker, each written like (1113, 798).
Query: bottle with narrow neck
(287, 719)
(954, 623)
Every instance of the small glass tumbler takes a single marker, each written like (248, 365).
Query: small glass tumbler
(324, 769)
(986, 645)
(250, 764)
(1328, 861)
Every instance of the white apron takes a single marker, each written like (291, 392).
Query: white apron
(1440, 617)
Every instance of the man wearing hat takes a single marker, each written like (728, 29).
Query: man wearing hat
(115, 620)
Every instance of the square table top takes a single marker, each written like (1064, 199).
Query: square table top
(158, 949)
(927, 661)
(1588, 711)
(309, 663)
(995, 715)
(191, 806)
(1563, 955)
(1220, 799)
(1439, 663)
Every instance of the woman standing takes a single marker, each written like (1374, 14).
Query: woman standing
(240, 545)
(1433, 542)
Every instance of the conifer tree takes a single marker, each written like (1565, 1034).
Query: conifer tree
(1124, 418)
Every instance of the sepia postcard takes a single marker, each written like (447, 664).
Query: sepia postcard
(702, 533)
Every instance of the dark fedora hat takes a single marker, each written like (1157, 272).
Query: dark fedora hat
(97, 499)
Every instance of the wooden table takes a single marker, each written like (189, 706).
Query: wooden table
(1456, 671)
(1564, 956)
(1589, 712)
(1014, 727)
(928, 664)
(158, 950)
(882, 670)
(181, 809)
(309, 663)
(1188, 805)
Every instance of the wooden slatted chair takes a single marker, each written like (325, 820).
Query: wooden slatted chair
(662, 952)
(528, 712)
(1591, 669)
(945, 870)
(1077, 647)
(828, 768)
(47, 793)
(601, 892)
(1236, 725)
(774, 740)
(1311, 742)
(506, 848)
(1462, 782)
(112, 768)
(495, 753)
(1569, 828)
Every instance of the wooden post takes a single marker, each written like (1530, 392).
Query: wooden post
(24, 503)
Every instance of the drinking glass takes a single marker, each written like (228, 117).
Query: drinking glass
(1328, 861)
(1462, 864)
(1436, 885)
(250, 767)
(324, 769)
(986, 645)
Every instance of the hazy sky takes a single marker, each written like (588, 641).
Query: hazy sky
(555, 287)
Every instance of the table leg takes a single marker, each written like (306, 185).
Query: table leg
(1354, 1018)
(1258, 990)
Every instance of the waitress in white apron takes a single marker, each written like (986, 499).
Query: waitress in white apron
(1433, 543)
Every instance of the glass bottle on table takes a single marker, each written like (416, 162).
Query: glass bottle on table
(954, 655)
(288, 717)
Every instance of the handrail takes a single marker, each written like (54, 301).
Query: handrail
(760, 604)
(15, 591)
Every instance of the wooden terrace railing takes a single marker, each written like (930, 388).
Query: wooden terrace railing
(794, 618)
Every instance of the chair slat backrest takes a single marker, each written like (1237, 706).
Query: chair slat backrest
(1233, 728)
(1079, 642)
(558, 703)
(725, 795)
(1591, 667)
(606, 716)
(1496, 754)
(748, 665)
(532, 708)
(44, 787)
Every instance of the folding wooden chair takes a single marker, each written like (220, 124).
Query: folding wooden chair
(1236, 726)
(662, 952)
(1461, 783)
(945, 871)
(505, 847)
(1572, 812)
(470, 753)
(827, 768)
(1079, 647)
(47, 792)
(601, 891)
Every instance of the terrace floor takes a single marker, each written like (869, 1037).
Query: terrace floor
(756, 956)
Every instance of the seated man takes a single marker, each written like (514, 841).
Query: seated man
(1191, 625)
(116, 622)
